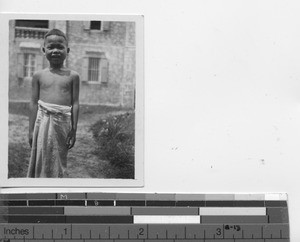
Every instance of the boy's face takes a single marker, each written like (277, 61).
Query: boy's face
(55, 49)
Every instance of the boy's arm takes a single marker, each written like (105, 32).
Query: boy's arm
(75, 110)
(33, 106)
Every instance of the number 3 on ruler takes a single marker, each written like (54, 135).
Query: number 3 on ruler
(218, 231)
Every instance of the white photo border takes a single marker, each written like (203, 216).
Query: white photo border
(138, 180)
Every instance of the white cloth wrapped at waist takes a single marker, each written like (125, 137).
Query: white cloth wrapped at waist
(50, 108)
(49, 144)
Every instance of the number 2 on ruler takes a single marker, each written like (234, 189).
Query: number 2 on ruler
(141, 231)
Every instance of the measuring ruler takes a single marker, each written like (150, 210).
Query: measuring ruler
(121, 217)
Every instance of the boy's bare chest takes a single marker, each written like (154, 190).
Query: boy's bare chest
(53, 82)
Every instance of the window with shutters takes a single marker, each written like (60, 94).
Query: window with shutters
(29, 64)
(93, 71)
(95, 68)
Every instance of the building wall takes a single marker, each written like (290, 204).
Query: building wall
(19, 88)
(116, 44)
(129, 78)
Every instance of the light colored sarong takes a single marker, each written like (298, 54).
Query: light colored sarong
(49, 145)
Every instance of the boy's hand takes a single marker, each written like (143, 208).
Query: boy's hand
(71, 138)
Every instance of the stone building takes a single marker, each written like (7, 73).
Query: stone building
(102, 52)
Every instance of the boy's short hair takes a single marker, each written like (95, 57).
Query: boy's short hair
(55, 32)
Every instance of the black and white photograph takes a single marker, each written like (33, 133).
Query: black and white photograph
(75, 99)
(135, 98)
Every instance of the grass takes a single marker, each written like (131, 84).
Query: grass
(18, 155)
(84, 161)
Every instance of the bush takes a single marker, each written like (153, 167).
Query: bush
(114, 137)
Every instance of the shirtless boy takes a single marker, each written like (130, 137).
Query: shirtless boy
(54, 110)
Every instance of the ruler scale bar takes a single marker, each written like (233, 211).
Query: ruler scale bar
(117, 217)
(150, 231)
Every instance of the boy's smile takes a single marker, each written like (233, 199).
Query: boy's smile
(55, 50)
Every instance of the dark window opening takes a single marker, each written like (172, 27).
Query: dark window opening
(32, 23)
(95, 25)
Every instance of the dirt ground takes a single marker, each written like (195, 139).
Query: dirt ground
(82, 163)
